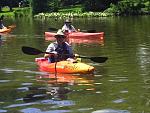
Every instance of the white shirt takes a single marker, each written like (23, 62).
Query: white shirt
(69, 29)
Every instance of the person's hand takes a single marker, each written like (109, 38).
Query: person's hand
(78, 30)
(78, 59)
(55, 54)
(76, 55)
(71, 60)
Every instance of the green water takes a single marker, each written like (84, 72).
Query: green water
(120, 85)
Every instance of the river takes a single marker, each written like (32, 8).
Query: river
(120, 85)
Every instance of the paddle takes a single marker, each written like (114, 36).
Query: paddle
(89, 31)
(34, 51)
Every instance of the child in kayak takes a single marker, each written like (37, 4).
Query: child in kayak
(60, 49)
(68, 27)
(1, 23)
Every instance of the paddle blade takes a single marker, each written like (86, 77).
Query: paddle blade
(95, 59)
(99, 59)
(31, 51)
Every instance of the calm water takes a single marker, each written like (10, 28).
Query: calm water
(120, 85)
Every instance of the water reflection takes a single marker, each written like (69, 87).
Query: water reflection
(70, 79)
(6, 38)
(111, 111)
(56, 86)
(0, 40)
(143, 54)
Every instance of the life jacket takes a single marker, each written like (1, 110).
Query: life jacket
(63, 53)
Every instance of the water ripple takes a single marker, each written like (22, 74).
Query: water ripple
(3, 81)
(111, 111)
(35, 110)
(3, 111)
(119, 101)
(9, 70)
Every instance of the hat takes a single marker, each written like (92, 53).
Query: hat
(59, 34)
(67, 21)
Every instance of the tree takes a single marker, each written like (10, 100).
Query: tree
(39, 6)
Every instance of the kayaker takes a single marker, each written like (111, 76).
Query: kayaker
(1, 22)
(60, 48)
(68, 27)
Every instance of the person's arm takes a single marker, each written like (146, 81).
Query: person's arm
(73, 29)
(64, 28)
(50, 49)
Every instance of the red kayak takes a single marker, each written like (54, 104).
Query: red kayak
(65, 67)
(80, 37)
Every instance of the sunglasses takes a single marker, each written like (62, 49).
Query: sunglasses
(59, 36)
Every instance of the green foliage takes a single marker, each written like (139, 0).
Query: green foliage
(128, 7)
(116, 7)
(40, 6)
(18, 12)
(5, 9)
(147, 6)
(75, 9)
(112, 10)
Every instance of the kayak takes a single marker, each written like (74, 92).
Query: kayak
(65, 67)
(79, 35)
(7, 29)
(79, 40)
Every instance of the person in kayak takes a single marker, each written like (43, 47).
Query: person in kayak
(60, 49)
(1, 23)
(68, 27)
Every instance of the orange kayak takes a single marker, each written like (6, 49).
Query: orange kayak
(7, 29)
(65, 67)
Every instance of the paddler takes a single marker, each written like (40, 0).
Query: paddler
(68, 27)
(60, 49)
(1, 23)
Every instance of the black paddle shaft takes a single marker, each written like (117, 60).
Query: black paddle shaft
(34, 51)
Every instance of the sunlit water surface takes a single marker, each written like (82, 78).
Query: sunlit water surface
(120, 85)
